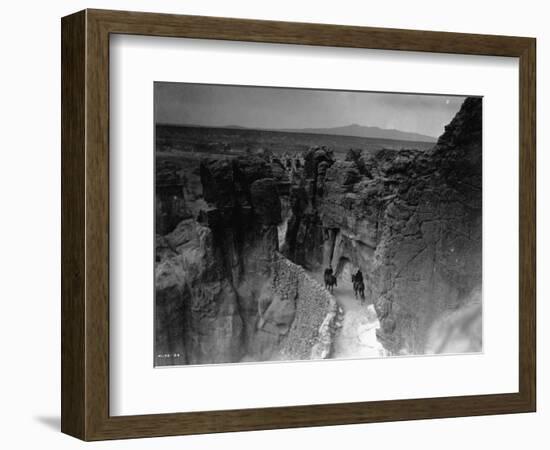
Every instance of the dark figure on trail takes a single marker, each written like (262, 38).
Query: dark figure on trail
(359, 276)
(358, 285)
(330, 279)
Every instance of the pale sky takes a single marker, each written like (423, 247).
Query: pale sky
(275, 108)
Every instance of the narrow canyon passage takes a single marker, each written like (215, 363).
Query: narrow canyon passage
(244, 238)
(356, 337)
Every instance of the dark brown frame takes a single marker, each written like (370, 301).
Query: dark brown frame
(85, 224)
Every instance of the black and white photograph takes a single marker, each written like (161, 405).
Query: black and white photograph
(298, 224)
(275, 225)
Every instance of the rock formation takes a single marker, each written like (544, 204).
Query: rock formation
(410, 219)
(223, 291)
(237, 237)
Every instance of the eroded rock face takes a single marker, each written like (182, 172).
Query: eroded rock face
(194, 299)
(305, 237)
(411, 220)
(223, 291)
(429, 262)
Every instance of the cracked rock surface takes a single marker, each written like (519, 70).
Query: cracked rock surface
(223, 292)
(241, 240)
(410, 219)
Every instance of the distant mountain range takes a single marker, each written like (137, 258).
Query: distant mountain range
(368, 132)
(348, 130)
(358, 131)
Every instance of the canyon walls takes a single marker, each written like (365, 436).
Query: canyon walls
(223, 291)
(410, 219)
(241, 237)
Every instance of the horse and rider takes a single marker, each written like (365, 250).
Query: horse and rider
(358, 285)
(356, 279)
(330, 279)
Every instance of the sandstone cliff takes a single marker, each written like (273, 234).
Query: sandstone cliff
(411, 220)
(238, 238)
(223, 291)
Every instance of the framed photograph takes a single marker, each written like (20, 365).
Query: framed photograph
(273, 225)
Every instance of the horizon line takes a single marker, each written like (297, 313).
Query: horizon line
(298, 130)
(234, 126)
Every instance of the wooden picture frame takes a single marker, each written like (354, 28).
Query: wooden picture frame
(85, 224)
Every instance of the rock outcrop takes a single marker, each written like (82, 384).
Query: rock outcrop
(238, 235)
(306, 235)
(223, 291)
(410, 219)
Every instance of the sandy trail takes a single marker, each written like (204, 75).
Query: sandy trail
(357, 336)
